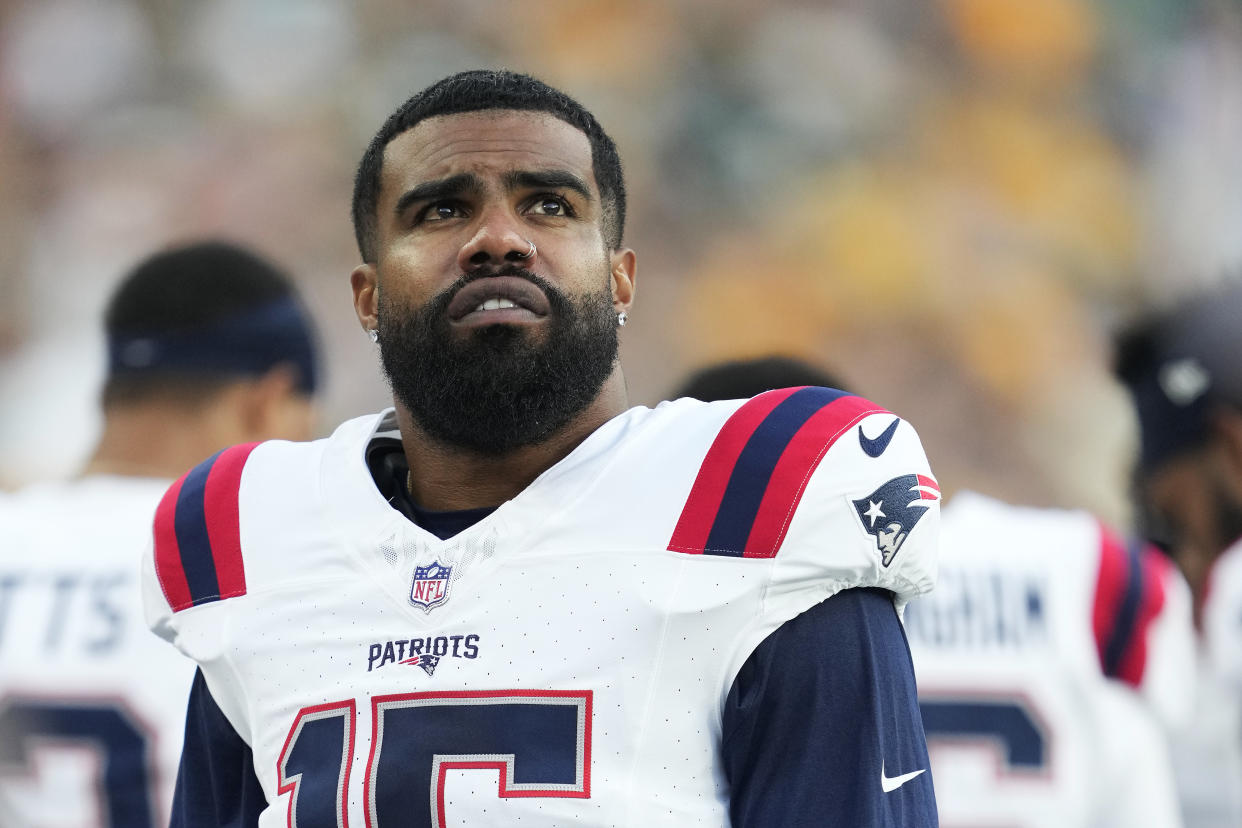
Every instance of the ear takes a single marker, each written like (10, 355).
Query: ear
(364, 281)
(624, 275)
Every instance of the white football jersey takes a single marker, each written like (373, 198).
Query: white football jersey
(1208, 754)
(1023, 727)
(597, 620)
(1222, 617)
(92, 705)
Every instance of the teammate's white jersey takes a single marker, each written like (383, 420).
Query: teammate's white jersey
(598, 620)
(1023, 727)
(1222, 617)
(1209, 753)
(92, 705)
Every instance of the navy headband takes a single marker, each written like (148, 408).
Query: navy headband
(248, 343)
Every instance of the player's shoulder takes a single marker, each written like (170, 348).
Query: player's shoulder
(218, 520)
(780, 413)
(1075, 547)
(98, 518)
(977, 525)
(812, 474)
(788, 424)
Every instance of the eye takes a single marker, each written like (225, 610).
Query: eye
(440, 211)
(551, 205)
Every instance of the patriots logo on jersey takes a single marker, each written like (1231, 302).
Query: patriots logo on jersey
(427, 661)
(891, 511)
(430, 586)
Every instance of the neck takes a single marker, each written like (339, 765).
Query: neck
(450, 478)
(157, 440)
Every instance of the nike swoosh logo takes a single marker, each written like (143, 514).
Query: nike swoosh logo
(874, 448)
(888, 784)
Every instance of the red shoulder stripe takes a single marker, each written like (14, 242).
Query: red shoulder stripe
(1129, 595)
(168, 567)
(1133, 663)
(794, 469)
(695, 524)
(222, 513)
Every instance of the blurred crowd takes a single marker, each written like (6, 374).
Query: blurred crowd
(953, 203)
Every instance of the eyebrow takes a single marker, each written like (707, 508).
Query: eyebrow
(457, 185)
(548, 179)
(441, 188)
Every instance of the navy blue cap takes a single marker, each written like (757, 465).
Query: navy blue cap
(1180, 368)
(1174, 404)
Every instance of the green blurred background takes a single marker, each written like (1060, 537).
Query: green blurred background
(952, 204)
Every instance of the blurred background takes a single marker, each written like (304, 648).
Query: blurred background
(952, 204)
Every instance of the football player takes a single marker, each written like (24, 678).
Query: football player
(1024, 727)
(207, 346)
(1185, 379)
(514, 599)
(1034, 611)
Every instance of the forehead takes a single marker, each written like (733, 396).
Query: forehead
(485, 143)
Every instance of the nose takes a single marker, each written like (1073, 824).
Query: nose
(497, 239)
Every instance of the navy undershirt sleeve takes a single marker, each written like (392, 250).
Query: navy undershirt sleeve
(823, 717)
(216, 783)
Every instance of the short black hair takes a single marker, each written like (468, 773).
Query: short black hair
(183, 289)
(743, 379)
(474, 91)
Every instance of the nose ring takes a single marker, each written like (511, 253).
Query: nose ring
(528, 253)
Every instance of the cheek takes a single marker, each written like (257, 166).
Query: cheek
(402, 291)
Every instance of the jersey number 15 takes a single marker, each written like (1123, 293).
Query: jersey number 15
(538, 740)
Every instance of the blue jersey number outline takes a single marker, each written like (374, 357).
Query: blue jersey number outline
(538, 741)
(107, 726)
(316, 758)
(1010, 725)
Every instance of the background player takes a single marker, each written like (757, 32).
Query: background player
(1185, 380)
(208, 346)
(1033, 608)
(511, 598)
(1023, 727)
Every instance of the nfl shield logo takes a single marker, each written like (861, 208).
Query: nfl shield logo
(430, 587)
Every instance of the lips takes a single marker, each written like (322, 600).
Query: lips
(498, 295)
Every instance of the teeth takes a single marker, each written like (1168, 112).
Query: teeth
(495, 304)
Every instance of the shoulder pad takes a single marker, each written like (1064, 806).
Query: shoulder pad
(197, 533)
(753, 476)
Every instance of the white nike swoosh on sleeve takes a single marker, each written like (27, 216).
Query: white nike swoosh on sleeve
(889, 784)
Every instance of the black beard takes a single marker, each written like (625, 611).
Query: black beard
(495, 390)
